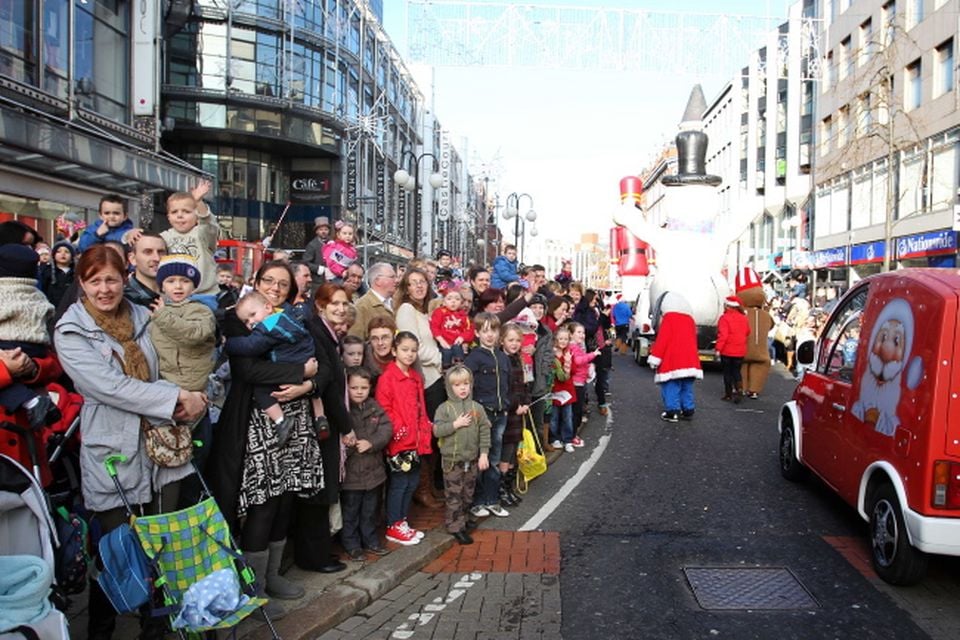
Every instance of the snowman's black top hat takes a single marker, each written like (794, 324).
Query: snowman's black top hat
(692, 146)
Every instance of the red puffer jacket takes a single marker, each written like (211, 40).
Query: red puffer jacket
(401, 396)
(733, 329)
(13, 445)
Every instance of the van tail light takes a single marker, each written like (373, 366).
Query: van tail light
(946, 484)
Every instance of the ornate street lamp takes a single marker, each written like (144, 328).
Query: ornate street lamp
(411, 183)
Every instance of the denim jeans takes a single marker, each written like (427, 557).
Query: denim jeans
(677, 394)
(359, 518)
(488, 482)
(400, 490)
(451, 355)
(561, 423)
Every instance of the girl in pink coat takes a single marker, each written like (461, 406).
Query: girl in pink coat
(733, 329)
(580, 372)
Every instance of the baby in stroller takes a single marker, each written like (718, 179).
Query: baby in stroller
(27, 539)
(24, 314)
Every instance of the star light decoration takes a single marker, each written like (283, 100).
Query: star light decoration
(371, 126)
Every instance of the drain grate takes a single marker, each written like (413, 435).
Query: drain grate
(735, 588)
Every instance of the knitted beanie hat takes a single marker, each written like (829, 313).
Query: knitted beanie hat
(178, 264)
(732, 301)
(18, 261)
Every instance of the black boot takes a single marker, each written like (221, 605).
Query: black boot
(512, 485)
(504, 494)
(101, 616)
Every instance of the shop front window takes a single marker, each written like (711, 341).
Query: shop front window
(18, 53)
(56, 34)
(102, 57)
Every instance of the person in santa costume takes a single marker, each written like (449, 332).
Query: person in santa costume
(675, 358)
(756, 364)
(732, 333)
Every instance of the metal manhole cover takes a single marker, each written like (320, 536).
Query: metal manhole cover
(748, 588)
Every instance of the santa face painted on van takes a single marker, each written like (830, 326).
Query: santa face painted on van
(877, 415)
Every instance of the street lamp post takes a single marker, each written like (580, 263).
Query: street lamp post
(411, 182)
(513, 211)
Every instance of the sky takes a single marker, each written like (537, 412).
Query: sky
(567, 137)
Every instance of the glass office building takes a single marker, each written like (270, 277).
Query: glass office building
(290, 101)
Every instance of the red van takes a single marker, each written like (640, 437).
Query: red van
(877, 415)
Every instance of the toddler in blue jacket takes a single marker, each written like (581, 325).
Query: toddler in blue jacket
(279, 336)
(505, 268)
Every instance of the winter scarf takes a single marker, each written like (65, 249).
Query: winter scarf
(119, 326)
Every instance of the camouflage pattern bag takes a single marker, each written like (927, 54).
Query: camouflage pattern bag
(169, 445)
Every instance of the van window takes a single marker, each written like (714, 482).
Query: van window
(838, 340)
(843, 359)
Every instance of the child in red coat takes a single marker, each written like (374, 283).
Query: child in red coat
(733, 328)
(400, 393)
(452, 328)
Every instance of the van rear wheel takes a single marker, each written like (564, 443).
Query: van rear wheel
(790, 466)
(894, 559)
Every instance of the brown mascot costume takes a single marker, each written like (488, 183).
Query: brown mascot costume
(756, 364)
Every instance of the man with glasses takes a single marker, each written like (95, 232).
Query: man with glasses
(377, 301)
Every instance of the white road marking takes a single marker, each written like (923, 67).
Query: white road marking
(404, 632)
(551, 505)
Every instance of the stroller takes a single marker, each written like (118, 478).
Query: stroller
(27, 540)
(184, 549)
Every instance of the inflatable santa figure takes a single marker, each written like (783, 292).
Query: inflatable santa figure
(675, 358)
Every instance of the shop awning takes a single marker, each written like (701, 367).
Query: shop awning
(74, 151)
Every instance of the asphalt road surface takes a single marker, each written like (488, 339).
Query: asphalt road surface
(702, 503)
(675, 531)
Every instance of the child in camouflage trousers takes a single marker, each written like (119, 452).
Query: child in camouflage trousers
(463, 435)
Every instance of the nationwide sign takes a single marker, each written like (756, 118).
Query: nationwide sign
(927, 244)
(867, 252)
(835, 257)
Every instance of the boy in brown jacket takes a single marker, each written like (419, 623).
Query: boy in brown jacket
(365, 473)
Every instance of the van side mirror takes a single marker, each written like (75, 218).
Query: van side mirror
(805, 351)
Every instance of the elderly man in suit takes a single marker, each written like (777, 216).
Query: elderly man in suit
(378, 300)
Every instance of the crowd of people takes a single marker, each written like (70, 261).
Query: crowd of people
(319, 392)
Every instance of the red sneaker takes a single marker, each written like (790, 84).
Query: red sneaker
(400, 534)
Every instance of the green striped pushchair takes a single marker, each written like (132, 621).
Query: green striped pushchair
(184, 547)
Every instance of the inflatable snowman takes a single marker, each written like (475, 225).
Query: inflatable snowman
(689, 240)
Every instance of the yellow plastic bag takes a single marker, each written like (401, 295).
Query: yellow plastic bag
(530, 458)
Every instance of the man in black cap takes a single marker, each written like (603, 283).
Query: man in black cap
(313, 253)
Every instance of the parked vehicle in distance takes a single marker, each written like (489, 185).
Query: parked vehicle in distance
(877, 416)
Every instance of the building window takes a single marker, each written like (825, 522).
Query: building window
(102, 58)
(846, 58)
(888, 16)
(913, 85)
(864, 115)
(826, 135)
(866, 42)
(914, 13)
(829, 73)
(18, 24)
(943, 78)
(843, 126)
